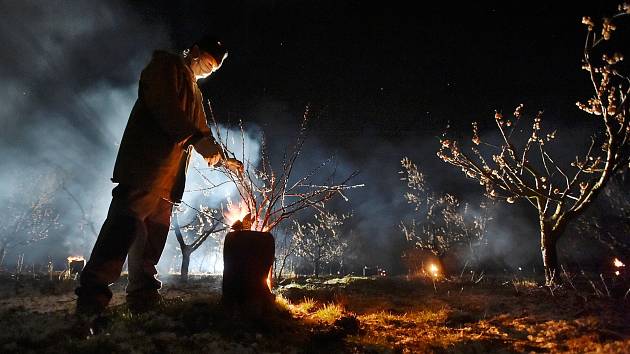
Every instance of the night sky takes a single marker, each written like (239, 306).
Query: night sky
(382, 80)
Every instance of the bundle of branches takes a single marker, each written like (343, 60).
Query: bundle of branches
(271, 195)
(528, 172)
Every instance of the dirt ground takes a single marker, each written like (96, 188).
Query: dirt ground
(329, 315)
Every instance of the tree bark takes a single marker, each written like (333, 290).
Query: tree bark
(186, 252)
(3, 253)
(316, 268)
(548, 247)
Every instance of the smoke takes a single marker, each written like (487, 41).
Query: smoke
(68, 72)
(68, 80)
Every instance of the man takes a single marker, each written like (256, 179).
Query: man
(167, 120)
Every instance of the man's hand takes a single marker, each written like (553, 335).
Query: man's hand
(233, 165)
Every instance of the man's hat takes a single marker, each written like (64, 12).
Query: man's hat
(212, 46)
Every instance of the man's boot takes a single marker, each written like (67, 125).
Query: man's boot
(143, 301)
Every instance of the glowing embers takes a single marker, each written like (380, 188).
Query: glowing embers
(268, 280)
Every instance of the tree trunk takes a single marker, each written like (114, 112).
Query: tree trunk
(3, 253)
(548, 247)
(282, 264)
(247, 261)
(316, 268)
(186, 252)
(214, 266)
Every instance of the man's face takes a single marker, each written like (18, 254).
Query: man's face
(205, 64)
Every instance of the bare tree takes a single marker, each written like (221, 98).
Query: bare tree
(86, 223)
(525, 170)
(29, 215)
(272, 195)
(442, 221)
(205, 225)
(285, 250)
(319, 242)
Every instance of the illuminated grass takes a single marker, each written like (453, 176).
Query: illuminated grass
(283, 303)
(329, 313)
(306, 306)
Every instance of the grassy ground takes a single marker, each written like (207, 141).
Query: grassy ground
(354, 315)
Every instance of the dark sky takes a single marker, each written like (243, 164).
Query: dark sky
(382, 78)
(393, 69)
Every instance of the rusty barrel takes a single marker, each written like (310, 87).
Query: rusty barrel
(247, 261)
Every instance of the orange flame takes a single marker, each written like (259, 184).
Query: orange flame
(235, 212)
(269, 280)
(434, 270)
(75, 258)
(617, 263)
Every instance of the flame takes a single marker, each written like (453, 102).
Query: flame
(434, 270)
(75, 258)
(235, 212)
(268, 281)
(617, 263)
(242, 213)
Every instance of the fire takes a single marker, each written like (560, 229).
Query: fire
(235, 212)
(75, 258)
(617, 263)
(434, 270)
(269, 280)
(239, 217)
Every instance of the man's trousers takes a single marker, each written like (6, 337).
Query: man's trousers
(137, 225)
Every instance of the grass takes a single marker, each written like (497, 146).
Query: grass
(378, 315)
(329, 313)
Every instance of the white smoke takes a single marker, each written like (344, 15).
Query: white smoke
(68, 80)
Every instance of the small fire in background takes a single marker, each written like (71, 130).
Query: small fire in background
(618, 264)
(75, 264)
(434, 270)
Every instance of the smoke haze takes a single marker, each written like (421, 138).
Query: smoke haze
(68, 80)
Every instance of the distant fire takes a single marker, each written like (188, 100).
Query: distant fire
(75, 258)
(617, 263)
(75, 264)
(434, 270)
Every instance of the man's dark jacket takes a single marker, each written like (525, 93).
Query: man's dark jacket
(167, 118)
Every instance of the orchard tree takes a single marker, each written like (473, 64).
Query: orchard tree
(524, 169)
(320, 241)
(441, 221)
(29, 215)
(285, 250)
(206, 224)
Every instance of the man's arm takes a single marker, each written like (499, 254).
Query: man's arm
(211, 151)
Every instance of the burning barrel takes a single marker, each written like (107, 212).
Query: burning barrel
(247, 261)
(75, 264)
